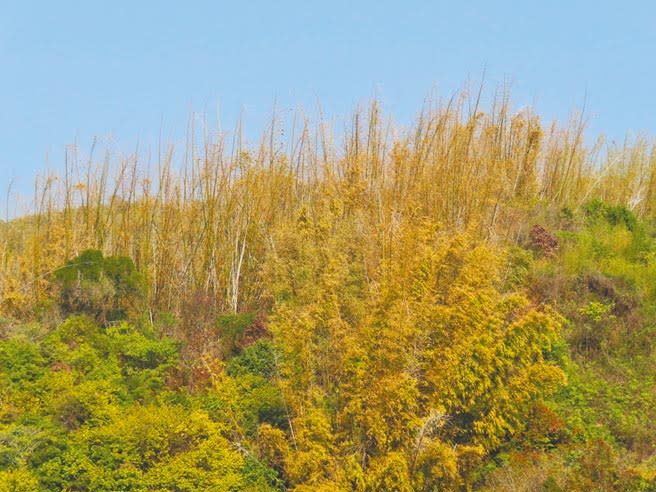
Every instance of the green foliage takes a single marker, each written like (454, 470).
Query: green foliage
(406, 358)
(259, 359)
(153, 448)
(86, 408)
(108, 289)
(602, 281)
(20, 362)
(257, 397)
(596, 311)
(233, 330)
(615, 215)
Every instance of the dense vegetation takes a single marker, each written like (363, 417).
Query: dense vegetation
(466, 306)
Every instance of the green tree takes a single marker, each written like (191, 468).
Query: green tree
(107, 288)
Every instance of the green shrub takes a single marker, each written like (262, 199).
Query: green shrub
(613, 214)
(106, 288)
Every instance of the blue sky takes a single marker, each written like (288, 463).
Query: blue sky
(124, 70)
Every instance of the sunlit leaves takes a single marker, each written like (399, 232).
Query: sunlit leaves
(438, 354)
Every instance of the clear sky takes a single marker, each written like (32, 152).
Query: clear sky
(126, 69)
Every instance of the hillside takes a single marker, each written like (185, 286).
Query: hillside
(464, 305)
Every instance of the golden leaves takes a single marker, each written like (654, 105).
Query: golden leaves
(438, 331)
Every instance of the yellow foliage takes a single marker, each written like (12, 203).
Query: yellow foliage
(385, 369)
(204, 224)
(18, 480)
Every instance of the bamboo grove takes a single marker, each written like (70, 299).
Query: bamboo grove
(464, 304)
(201, 220)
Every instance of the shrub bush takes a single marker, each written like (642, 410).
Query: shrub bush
(106, 288)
